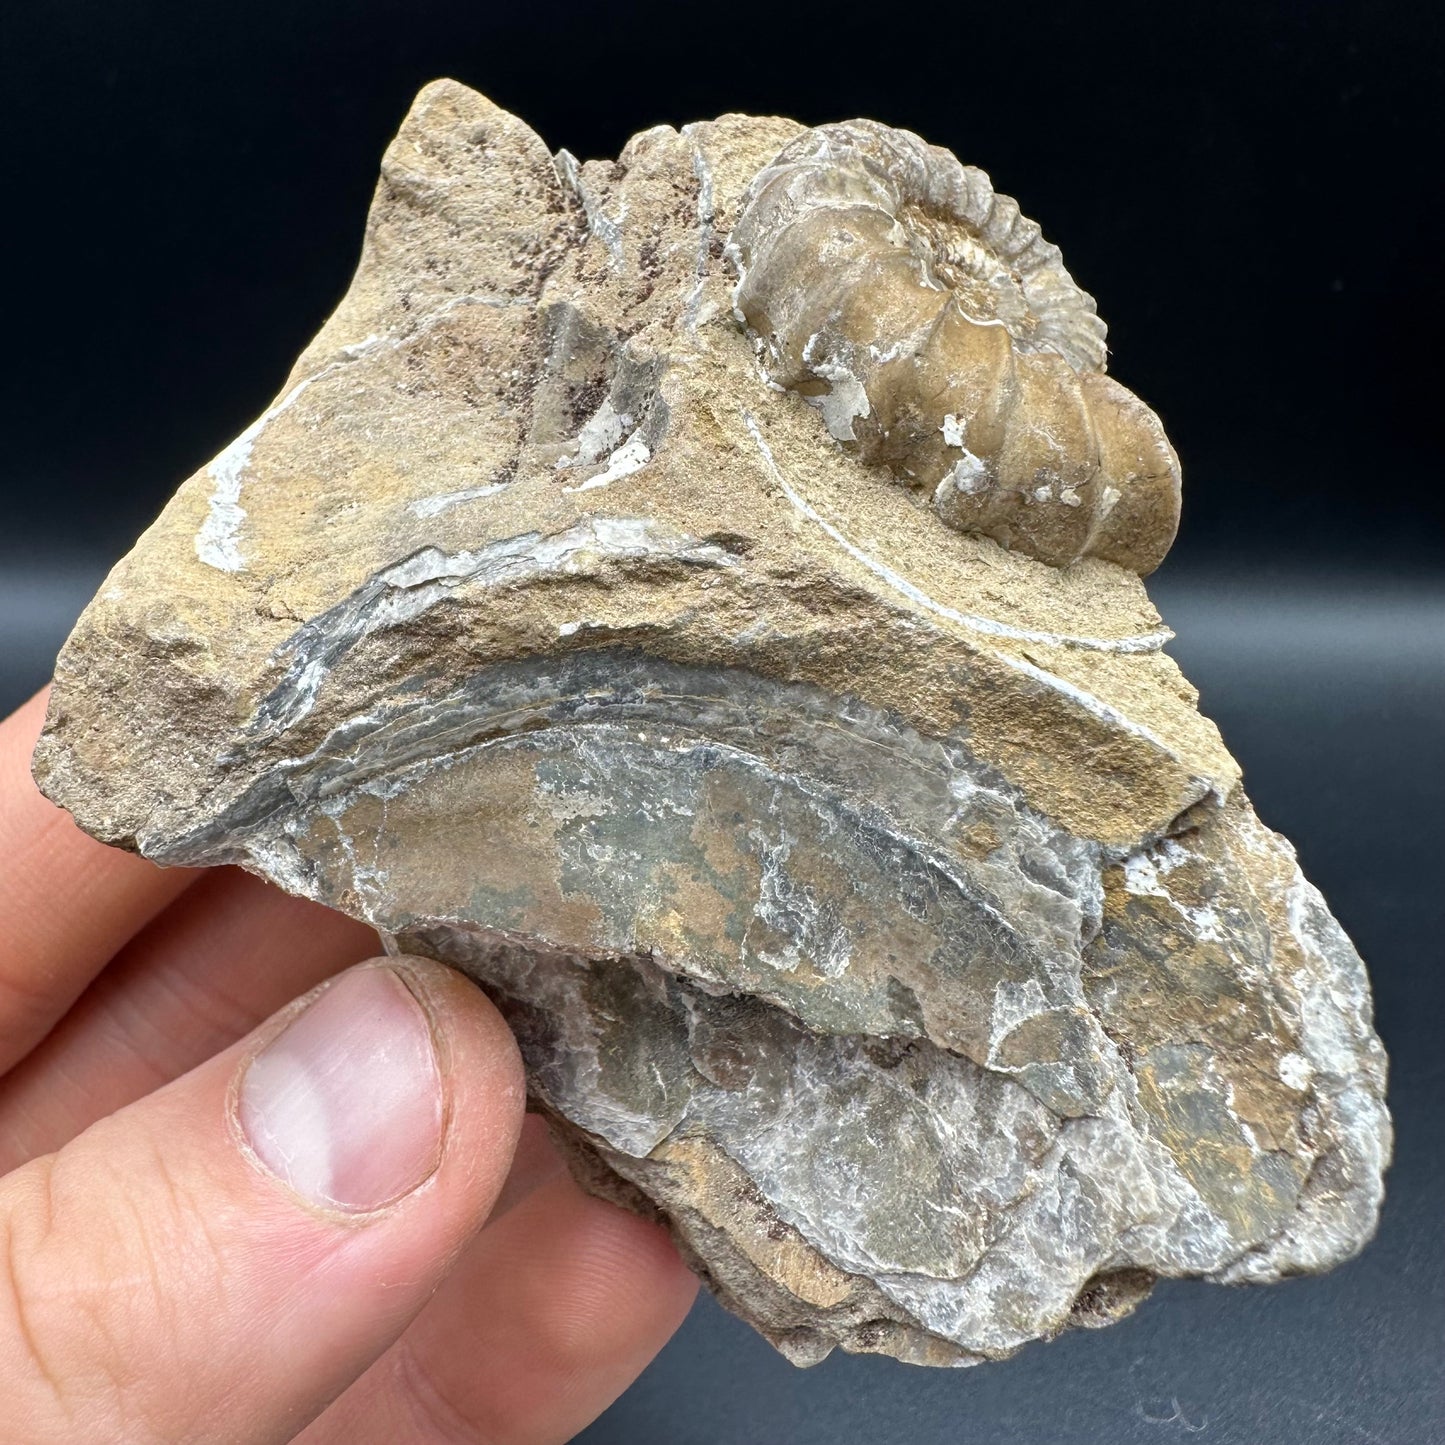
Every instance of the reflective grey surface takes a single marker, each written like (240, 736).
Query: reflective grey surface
(1332, 693)
(1330, 688)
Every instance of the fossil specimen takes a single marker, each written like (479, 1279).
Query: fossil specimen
(870, 899)
(943, 338)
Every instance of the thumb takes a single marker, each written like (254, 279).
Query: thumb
(219, 1260)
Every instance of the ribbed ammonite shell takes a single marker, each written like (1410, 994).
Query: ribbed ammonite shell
(941, 336)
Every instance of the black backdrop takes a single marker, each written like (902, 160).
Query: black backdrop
(1251, 190)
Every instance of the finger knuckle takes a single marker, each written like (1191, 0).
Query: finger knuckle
(433, 1414)
(24, 1230)
(89, 1287)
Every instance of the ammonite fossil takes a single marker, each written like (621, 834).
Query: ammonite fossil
(941, 336)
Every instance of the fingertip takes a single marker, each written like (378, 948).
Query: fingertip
(628, 1269)
(596, 1289)
(482, 1071)
(534, 1163)
(448, 994)
(321, 1177)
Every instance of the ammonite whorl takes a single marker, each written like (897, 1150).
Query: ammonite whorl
(941, 336)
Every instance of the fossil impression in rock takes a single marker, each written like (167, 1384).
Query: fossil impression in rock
(648, 594)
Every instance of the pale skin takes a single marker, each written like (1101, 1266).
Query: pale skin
(160, 1283)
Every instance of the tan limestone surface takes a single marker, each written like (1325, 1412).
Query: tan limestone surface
(871, 899)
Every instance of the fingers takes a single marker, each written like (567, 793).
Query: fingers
(68, 902)
(551, 1313)
(218, 1261)
(534, 1162)
(228, 953)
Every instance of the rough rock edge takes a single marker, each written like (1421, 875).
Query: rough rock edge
(1098, 1299)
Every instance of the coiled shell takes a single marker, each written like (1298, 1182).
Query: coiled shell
(941, 336)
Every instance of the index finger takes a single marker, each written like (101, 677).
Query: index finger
(67, 903)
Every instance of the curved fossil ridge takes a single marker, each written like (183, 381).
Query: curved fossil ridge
(942, 337)
(777, 960)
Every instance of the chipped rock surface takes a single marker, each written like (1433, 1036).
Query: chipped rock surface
(869, 896)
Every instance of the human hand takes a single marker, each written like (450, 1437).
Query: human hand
(223, 1223)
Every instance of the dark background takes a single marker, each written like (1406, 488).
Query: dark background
(1252, 191)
